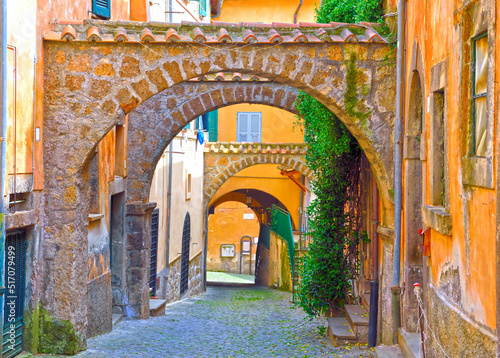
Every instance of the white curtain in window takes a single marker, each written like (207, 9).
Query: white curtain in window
(480, 88)
(481, 65)
(480, 134)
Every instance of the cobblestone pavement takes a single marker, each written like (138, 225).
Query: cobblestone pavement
(223, 322)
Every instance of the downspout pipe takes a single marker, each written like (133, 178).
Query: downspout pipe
(398, 170)
(373, 315)
(297, 12)
(169, 205)
(205, 250)
(3, 150)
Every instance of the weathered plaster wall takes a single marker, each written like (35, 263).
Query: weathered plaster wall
(227, 226)
(187, 158)
(265, 177)
(462, 262)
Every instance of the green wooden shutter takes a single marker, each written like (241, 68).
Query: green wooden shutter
(15, 262)
(213, 123)
(102, 8)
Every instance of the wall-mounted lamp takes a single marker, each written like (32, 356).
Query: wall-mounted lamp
(248, 199)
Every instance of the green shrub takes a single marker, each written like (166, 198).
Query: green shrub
(349, 11)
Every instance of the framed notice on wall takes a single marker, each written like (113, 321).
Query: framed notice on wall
(227, 250)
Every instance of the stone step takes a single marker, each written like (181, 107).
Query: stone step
(388, 352)
(357, 317)
(156, 307)
(340, 332)
(410, 343)
(365, 300)
(116, 317)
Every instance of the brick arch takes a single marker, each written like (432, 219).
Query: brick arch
(90, 85)
(155, 123)
(219, 167)
(94, 76)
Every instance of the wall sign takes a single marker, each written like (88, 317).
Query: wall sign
(227, 250)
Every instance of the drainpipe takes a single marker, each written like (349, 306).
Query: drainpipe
(297, 12)
(169, 205)
(372, 326)
(205, 249)
(3, 149)
(398, 192)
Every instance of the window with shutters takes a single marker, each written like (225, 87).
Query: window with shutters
(249, 126)
(479, 91)
(102, 8)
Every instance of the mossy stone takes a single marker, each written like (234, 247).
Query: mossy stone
(57, 336)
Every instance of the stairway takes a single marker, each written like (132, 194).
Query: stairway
(410, 343)
(156, 307)
(409, 347)
(353, 328)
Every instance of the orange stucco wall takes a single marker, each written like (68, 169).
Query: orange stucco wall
(267, 178)
(227, 226)
(277, 124)
(437, 29)
(46, 12)
(266, 11)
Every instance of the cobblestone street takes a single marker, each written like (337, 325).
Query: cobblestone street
(223, 322)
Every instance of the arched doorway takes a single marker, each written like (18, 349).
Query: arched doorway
(414, 164)
(186, 238)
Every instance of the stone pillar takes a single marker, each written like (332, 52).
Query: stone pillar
(65, 267)
(138, 235)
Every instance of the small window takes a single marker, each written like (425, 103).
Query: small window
(102, 8)
(479, 92)
(249, 127)
(188, 185)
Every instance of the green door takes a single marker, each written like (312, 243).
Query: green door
(15, 261)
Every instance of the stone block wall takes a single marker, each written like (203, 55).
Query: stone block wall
(195, 284)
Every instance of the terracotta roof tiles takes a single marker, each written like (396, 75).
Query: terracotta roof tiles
(215, 32)
(251, 148)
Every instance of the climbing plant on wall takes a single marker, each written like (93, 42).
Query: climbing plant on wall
(329, 266)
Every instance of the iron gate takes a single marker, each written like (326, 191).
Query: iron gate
(186, 238)
(154, 251)
(15, 261)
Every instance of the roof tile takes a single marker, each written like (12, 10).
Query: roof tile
(120, 35)
(147, 35)
(274, 36)
(224, 36)
(93, 34)
(299, 36)
(172, 35)
(215, 32)
(69, 33)
(348, 36)
(199, 36)
(249, 37)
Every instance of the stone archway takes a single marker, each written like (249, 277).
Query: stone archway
(98, 71)
(156, 122)
(223, 161)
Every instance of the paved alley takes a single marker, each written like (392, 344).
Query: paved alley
(223, 322)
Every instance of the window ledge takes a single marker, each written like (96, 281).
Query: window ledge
(95, 217)
(478, 171)
(437, 218)
(386, 234)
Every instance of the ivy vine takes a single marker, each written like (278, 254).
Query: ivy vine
(329, 267)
